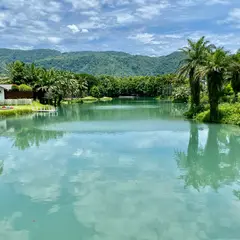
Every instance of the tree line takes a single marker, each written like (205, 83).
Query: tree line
(210, 66)
(205, 70)
(51, 85)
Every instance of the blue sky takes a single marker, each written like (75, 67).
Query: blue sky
(147, 27)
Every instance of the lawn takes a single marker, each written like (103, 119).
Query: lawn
(21, 109)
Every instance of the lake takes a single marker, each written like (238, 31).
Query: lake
(121, 170)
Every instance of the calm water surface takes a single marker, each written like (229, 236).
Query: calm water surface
(126, 170)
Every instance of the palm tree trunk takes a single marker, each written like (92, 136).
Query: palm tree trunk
(235, 82)
(214, 79)
(235, 96)
(195, 90)
(196, 99)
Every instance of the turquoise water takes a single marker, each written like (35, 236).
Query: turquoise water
(120, 170)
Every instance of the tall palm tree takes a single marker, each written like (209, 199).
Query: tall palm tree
(234, 70)
(214, 69)
(196, 53)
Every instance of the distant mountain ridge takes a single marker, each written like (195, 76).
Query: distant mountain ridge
(96, 63)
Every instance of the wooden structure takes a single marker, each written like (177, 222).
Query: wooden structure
(6, 92)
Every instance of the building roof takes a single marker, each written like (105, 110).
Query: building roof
(6, 86)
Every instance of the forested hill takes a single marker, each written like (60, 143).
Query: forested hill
(96, 63)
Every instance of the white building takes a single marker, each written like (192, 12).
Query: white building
(3, 88)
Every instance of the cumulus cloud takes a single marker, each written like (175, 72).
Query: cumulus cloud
(84, 30)
(73, 28)
(31, 23)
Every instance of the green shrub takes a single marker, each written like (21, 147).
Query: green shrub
(15, 87)
(203, 116)
(105, 99)
(228, 90)
(228, 114)
(181, 94)
(227, 95)
(204, 99)
(76, 100)
(95, 92)
(89, 99)
(25, 88)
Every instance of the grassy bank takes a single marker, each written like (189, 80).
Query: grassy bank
(21, 110)
(105, 99)
(88, 99)
(228, 114)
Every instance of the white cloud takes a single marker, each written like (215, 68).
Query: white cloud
(92, 38)
(2, 19)
(84, 4)
(84, 30)
(54, 39)
(55, 18)
(161, 44)
(145, 38)
(53, 6)
(151, 10)
(23, 47)
(73, 28)
(233, 18)
(190, 3)
(123, 18)
(31, 23)
(212, 2)
(234, 15)
(89, 13)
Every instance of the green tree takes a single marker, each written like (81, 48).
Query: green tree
(17, 72)
(95, 92)
(214, 68)
(234, 70)
(196, 53)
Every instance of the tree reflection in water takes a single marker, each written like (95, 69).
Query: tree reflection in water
(214, 165)
(1, 168)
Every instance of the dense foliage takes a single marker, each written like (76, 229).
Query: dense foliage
(51, 86)
(24, 88)
(207, 76)
(206, 65)
(95, 63)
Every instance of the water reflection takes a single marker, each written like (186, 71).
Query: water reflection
(122, 109)
(118, 185)
(36, 129)
(25, 132)
(1, 168)
(214, 164)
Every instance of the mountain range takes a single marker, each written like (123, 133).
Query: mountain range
(96, 63)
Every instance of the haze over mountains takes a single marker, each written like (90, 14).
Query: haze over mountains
(96, 63)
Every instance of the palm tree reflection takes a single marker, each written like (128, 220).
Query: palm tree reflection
(213, 165)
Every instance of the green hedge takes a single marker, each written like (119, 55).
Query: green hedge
(25, 88)
(228, 114)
